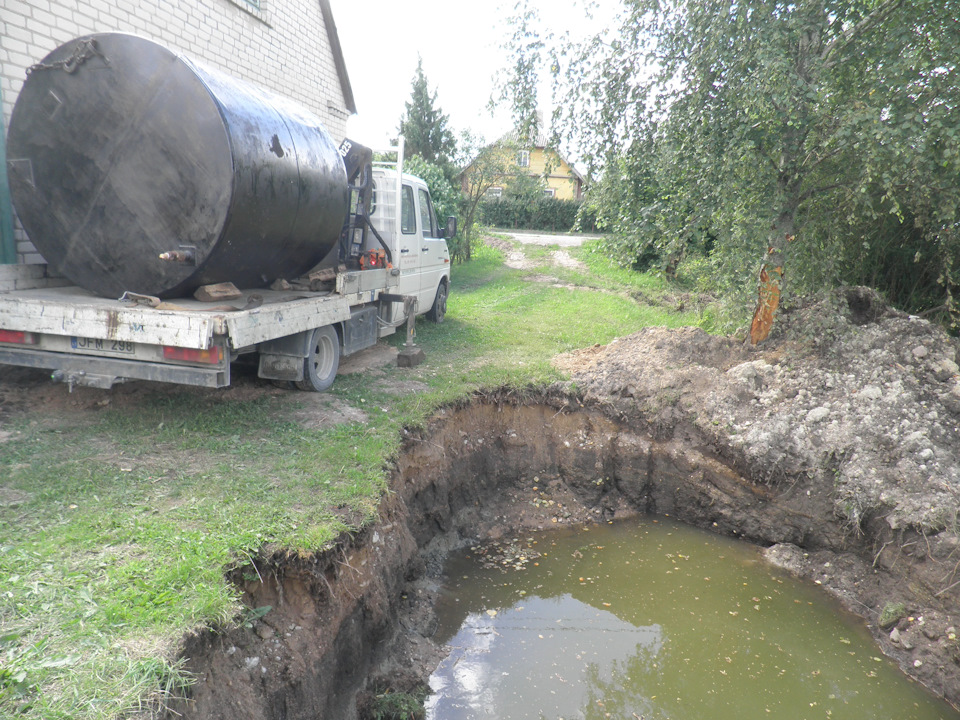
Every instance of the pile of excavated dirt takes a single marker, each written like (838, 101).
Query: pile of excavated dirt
(847, 392)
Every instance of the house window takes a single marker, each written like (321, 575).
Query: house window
(523, 158)
(549, 192)
(254, 7)
(494, 193)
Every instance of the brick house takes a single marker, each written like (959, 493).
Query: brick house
(290, 47)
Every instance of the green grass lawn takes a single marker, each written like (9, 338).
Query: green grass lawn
(118, 524)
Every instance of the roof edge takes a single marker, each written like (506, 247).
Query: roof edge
(338, 60)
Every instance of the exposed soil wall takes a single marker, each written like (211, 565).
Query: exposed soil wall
(837, 451)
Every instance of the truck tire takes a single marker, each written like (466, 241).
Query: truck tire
(439, 309)
(320, 365)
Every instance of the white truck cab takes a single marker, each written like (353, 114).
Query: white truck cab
(419, 249)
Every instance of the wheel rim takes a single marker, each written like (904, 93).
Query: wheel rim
(441, 301)
(322, 357)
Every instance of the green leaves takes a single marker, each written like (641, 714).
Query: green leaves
(705, 119)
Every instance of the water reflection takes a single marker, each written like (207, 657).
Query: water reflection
(653, 620)
(544, 643)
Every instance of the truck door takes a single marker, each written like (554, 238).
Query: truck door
(409, 242)
(434, 258)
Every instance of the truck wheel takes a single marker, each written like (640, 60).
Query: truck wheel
(439, 309)
(320, 365)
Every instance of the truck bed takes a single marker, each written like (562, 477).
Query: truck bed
(70, 328)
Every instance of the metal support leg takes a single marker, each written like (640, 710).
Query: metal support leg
(410, 355)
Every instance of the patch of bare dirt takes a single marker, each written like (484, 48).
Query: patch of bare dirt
(12, 497)
(25, 390)
(317, 410)
(518, 260)
(500, 244)
(377, 356)
(564, 259)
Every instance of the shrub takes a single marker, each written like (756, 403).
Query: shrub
(544, 213)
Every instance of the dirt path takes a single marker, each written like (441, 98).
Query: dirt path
(561, 239)
(515, 257)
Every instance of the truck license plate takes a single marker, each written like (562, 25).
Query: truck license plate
(119, 347)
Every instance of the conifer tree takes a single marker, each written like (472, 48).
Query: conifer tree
(424, 125)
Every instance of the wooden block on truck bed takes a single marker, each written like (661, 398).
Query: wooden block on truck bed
(220, 291)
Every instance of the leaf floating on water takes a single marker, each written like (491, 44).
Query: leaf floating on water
(492, 613)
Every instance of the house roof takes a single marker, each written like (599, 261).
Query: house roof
(338, 60)
(540, 141)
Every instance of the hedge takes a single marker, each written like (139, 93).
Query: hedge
(543, 213)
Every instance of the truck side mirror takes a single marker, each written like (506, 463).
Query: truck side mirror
(451, 230)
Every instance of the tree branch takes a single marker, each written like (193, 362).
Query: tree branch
(817, 161)
(817, 190)
(877, 16)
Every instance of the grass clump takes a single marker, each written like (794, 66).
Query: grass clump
(390, 705)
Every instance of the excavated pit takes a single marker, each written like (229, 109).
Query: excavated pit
(358, 617)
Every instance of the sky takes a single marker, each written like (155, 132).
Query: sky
(459, 43)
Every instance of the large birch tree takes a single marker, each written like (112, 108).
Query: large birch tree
(781, 130)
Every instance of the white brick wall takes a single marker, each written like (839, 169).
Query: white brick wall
(283, 47)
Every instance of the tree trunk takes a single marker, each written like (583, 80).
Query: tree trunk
(770, 281)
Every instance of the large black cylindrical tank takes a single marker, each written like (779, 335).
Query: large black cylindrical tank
(121, 151)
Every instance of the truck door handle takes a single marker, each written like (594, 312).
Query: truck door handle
(404, 250)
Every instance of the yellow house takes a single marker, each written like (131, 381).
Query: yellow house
(538, 160)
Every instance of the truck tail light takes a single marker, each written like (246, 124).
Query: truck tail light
(17, 336)
(209, 357)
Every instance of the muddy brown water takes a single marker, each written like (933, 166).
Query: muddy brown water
(651, 619)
